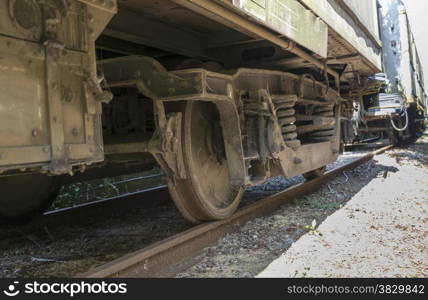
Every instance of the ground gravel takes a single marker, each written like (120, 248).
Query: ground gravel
(381, 232)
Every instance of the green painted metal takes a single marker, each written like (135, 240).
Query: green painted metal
(291, 19)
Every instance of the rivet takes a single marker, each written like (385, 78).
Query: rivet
(35, 132)
(297, 160)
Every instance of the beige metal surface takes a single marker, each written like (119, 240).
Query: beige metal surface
(49, 112)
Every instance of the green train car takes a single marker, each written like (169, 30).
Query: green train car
(221, 94)
(397, 107)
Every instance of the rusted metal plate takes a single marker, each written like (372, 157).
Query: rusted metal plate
(291, 19)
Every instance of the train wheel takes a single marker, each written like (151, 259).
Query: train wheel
(25, 196)
(315, 173)
(207, 193)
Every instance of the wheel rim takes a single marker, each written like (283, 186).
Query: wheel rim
(207, 193)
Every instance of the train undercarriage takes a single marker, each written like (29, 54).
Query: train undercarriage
(218, 100)
(213, 134)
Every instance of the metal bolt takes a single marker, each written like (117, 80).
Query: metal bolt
(35, 132)
(297, 160)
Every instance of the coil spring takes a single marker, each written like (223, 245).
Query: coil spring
(326, 134)
(286, 116)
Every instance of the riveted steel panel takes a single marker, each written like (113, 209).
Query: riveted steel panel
(49, 114)
(23, 111)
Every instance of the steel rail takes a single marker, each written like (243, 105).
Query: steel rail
(167, 257)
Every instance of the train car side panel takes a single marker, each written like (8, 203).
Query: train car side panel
(339, 20)
(291, 19)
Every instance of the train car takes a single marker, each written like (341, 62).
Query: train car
(221, 94)
(398, 108)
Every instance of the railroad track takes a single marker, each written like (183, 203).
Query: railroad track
(89, 211)
(176, 253)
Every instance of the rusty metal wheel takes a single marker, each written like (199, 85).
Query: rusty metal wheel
(25, 196)
(315, 173)
(206, 194)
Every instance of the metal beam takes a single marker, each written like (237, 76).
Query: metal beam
(231, 19)
(130, 26)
